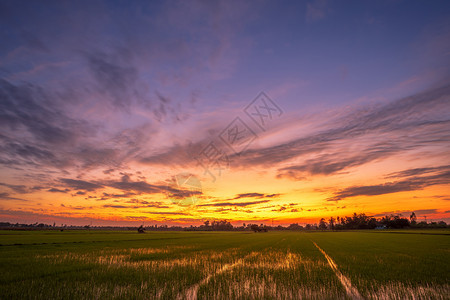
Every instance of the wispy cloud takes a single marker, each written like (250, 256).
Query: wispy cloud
(240, 204)
(80, 184)
(411, 183)
(17, 188)
(374, 132)
(6, 196)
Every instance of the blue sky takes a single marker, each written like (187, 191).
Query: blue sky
(353, 48)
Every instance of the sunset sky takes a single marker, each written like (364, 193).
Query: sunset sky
(276, 111)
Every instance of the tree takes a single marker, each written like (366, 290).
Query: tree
(331, 221)
(394, 221)
(413, 218)
(221, 225)
(295, 226)
(257, 228)
(322, 224)
(254, 227)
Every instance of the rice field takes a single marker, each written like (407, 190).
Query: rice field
(224, 265)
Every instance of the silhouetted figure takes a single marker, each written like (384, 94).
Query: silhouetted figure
(141, 229)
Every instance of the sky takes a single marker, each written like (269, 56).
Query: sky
(177, 112)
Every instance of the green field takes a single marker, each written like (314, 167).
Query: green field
(224, 265)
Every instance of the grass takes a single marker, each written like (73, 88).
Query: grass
(222, 265)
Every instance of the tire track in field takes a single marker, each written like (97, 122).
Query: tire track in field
(191, 293)
(352, 292)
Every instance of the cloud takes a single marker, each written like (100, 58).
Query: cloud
(181, 193)
(37, 111)
(125, 185)
(116, 206)
(77, 207)
(177, 154)
(115, 76)
(21, 189)
(138, 186)
(376, 132)
(254, 195)
(55, 190)
(41, 128)
(167, 213)
(128, 186)
(249, 195)
(328, 164)
(241, 204)
(137, 205)
(5, 196)
(124, 195)
(80, 184)
(408, 184)
(271, 195)
(144, 203)
(14, 154)
(359, 136)
(36, 129)
(417, 171)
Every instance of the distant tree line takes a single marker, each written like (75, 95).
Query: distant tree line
(362, 221)
(62, 227)
(356, 221)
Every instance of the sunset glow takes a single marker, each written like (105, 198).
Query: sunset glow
(284, 112)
